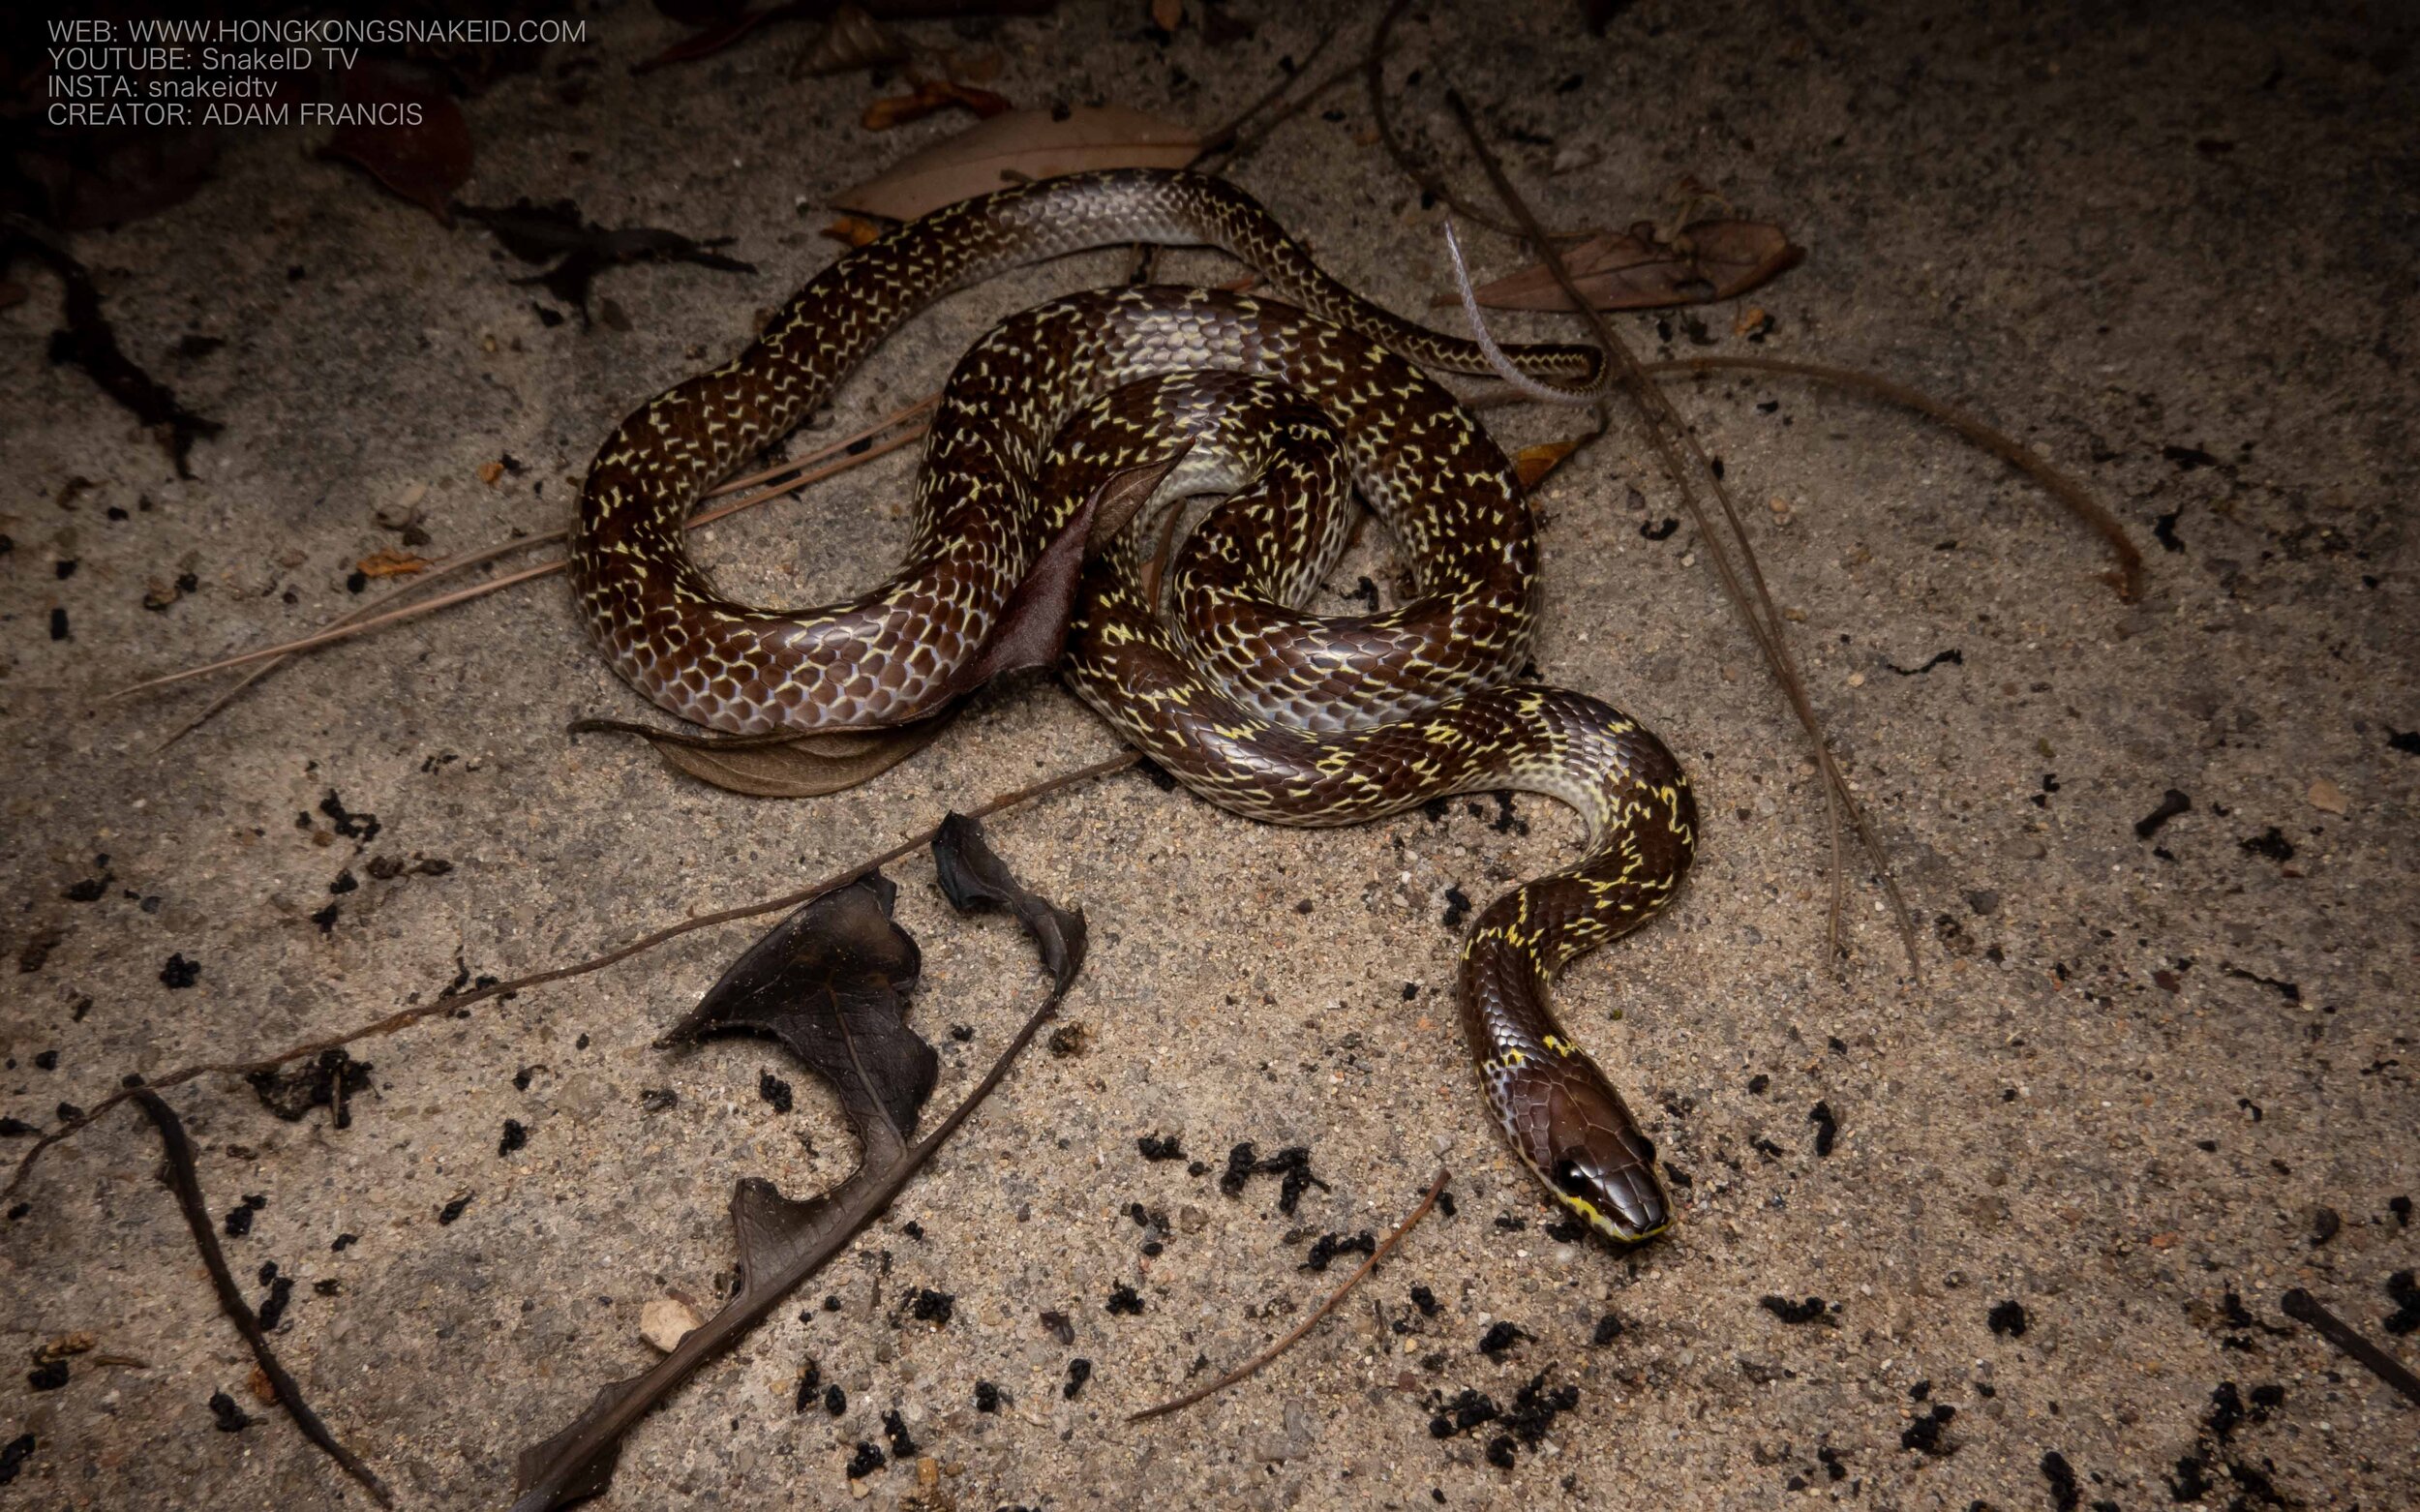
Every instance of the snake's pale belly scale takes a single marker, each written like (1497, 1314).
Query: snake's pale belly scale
(1210, 666)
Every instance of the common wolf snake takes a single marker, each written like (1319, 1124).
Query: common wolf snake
(1206, 663)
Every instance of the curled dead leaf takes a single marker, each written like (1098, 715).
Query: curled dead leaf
(853, 230)
(1707, 261)
(1532, 463)
(1022, 144)
(851, 41)
(391, 563)
(781, 765)
(929, 95)
(65, 1346)
(830, 981)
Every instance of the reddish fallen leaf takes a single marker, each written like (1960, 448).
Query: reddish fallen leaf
(490, 471)
(852, 230)
(1532, 463)
(1168, 15)
(930, 96)
(1022, 143)
(391, 563)
(411, 139)
(1707, 261)
(89, 178)
(716, 37)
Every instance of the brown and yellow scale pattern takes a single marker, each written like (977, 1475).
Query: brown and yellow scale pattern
(1209, 664)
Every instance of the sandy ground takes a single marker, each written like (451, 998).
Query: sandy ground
(2148, 1084)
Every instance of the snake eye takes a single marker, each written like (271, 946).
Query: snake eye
(1570, 1177)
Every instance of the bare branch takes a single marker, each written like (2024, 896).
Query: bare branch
(1253, 1365)
(186, 1184)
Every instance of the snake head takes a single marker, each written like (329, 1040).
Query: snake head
(1593, 1156)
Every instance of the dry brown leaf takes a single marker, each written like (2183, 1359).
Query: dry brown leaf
(490, 471)
(65, 1346)
(852, 230)
(806, 766)
(426, 156)
(1533, 462)
(1709, 260)
(1031, 143)
(932, 95)
(391, 563)
(2328, 797)
(1168, 15)
(262, 1389)
(854, 39)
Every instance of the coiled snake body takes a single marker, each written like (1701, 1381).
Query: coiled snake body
(1260, 709)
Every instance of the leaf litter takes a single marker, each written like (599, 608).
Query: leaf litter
(828, 983)
(579, 248)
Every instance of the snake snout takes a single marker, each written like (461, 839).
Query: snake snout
(1621, 1198)
(1603, 1167)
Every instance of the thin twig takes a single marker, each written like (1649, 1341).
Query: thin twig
(1226, 141)
(1253, 1365)
(2304, 1308)
(1763, 617)
(186, 1184)
(2128, 577)
(1225, 147)
(898, 416)
(1373, 72)
(454, 565)
(451, 568)
(405, 1018)
(347, 632)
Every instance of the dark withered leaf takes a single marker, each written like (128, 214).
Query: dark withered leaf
(783, 765)
(972, 877)
(425, 156)
(538, 233)
(717, 32)
(87, 341)
(1033, 626)
(828, 981)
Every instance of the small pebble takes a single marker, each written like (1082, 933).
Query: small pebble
(663, 1322)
